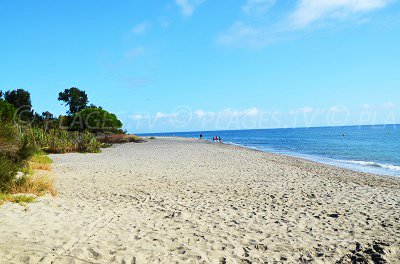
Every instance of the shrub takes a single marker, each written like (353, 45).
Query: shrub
(95, 120)
(119, 139)
(14, 153)
(88, 143)
(7, 111)
(8, 172)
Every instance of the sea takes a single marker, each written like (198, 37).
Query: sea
(372, 149)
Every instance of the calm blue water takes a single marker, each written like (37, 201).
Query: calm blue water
(374, 149)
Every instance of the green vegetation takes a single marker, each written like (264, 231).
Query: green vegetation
(40, 157)
(14, 154)
(20, 199)
(7, 111)
(75, 99)
(26, 137)
(95, 120)
(21, 100)
(61, 141)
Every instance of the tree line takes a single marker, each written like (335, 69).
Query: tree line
(16, 105)
(24, 133)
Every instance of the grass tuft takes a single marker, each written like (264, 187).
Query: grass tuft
(39, 184)
(20, 198)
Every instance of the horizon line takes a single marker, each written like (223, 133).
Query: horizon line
(248, 129)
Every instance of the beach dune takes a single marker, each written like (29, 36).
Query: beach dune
(173, 200)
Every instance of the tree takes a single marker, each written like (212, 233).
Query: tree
(75, 99)
(47, 116)
(95, 120)
(21, 100)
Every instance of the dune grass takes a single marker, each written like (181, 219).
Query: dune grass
(40, 161)
(40, 183)
(36, 179)
(61, 141)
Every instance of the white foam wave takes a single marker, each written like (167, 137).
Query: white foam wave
(374, 164)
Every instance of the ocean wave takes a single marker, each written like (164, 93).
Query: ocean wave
(374, 164)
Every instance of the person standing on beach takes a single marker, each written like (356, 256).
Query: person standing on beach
(201, 136)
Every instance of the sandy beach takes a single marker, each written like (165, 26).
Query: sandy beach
(189, 201)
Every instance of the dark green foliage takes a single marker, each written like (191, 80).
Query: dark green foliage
(47, 116)
(18, 98)
(7, 111)
(21, 100)
(8, 171)
(75, 99)
(95, 120)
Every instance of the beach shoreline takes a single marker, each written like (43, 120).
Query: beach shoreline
(191, 201)
(387, 176)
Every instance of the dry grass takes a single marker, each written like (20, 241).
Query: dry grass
(39, 166)
(37, 180)
(40, 183)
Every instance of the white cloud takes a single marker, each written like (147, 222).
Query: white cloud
(187, 7)
(303, 110)
(259, 34)
(202, 114)
(306, 110)
(310, 11)
(257, 7)
(252, 112)
(365, 106)
(337, 109)
(242, 35)
(229, 113)
(137, 117)
(160, 115)
(141, 28)
(389, 105)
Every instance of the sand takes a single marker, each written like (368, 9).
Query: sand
(189, 201)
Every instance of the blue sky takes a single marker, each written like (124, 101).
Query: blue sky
(180, 65)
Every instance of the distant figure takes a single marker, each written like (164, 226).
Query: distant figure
(201, 136)
(220, 139)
